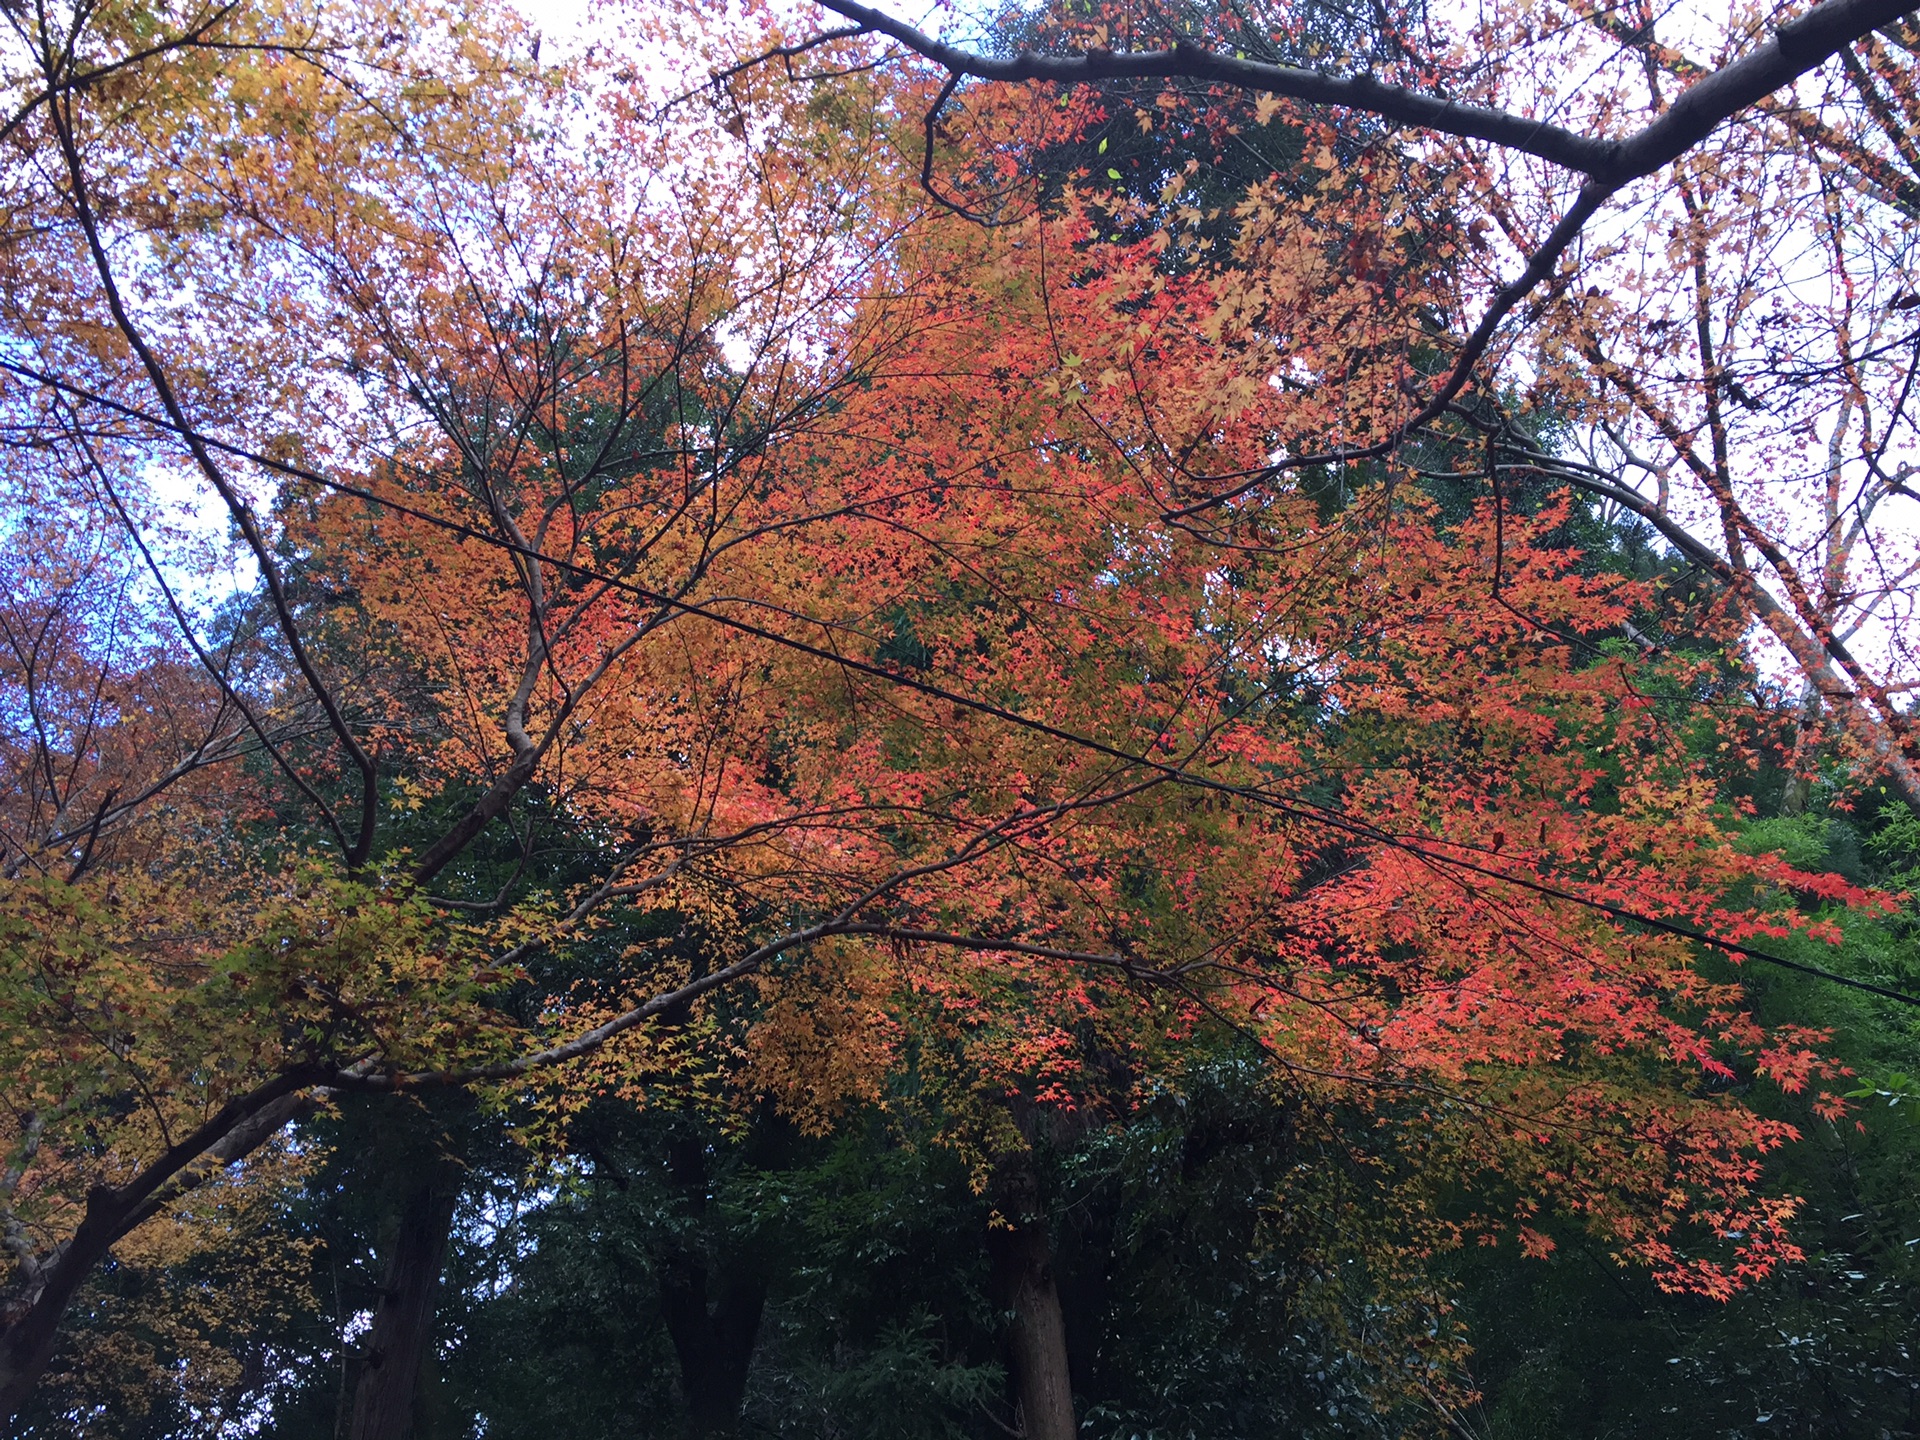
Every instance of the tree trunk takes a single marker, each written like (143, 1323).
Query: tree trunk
(1799, 786)
(713, 1341)
(383, 1400)
(714, 1344)
(1024, 1284)
(30, 1316)
(1081, 1254)
(31, 1328)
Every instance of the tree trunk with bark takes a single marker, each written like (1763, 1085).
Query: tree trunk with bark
(402, 1331)
(1806, 732)
(31, 1311)
(1024, 1284)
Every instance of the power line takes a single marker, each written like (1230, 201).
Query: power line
(1176, 773)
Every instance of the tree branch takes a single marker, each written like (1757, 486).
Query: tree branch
(1192, 62)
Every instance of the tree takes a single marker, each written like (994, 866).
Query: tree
(777, 559)
(1699, 276)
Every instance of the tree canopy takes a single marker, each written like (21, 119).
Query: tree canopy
(878, 707)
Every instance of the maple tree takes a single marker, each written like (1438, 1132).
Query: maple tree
(899, 625)
(1676, 322)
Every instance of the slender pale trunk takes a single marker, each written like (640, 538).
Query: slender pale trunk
(1799, 787)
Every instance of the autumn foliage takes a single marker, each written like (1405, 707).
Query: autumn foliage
(759, 577)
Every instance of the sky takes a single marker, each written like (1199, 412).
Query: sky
(566, 26)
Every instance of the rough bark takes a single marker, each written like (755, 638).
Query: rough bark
(397, 1344)
(26, 1344)
(1024, 1284)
